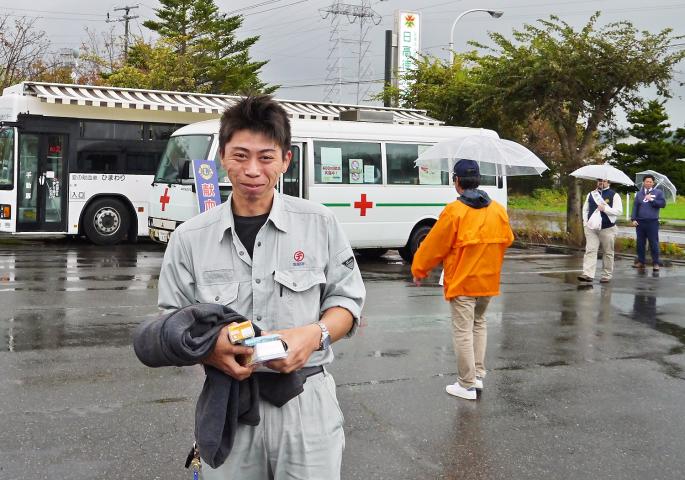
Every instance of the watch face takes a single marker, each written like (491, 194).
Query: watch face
(326, 341)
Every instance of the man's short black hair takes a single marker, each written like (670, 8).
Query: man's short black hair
(468, 183)
(649, 175)
(259, 114)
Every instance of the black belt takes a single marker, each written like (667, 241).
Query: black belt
(309, 371)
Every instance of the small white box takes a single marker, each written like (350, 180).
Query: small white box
(265, 351)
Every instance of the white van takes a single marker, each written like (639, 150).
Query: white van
(363, 171)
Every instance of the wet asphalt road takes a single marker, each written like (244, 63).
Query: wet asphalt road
(584, 382)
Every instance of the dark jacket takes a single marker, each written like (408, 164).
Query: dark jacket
(647, 210)
(186, 336)
(608, 196)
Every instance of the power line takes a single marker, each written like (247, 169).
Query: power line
(126, 18)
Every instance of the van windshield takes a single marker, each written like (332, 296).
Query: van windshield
(176, 163)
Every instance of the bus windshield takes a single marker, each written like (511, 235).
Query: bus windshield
(6, 157)
(176, 163)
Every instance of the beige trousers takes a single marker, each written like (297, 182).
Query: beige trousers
(593, 239)
(469, 337)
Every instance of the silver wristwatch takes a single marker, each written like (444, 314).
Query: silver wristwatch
(325, 337)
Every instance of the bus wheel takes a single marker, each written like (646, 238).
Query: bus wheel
(417, 236)
(106, 221)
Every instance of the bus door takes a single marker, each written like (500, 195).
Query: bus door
(42, 187)
(291, 180)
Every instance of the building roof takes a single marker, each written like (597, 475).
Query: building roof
(112, 97)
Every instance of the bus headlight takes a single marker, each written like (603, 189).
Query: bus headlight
(5, 212)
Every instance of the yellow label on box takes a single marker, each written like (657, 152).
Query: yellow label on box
(237, 332)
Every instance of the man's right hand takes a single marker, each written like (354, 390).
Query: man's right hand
(635, 223)
(229, 358)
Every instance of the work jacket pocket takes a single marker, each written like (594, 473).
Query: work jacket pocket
(298, 294)
(220, 293)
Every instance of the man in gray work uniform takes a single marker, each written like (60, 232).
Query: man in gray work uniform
(286, 264)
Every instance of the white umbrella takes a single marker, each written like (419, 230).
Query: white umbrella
(604, 172)
(661, 182)
(495, 156)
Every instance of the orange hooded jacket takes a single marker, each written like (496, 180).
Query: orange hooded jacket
(470, 243)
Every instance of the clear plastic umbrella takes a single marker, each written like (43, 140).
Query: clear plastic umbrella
(603, 171)
(495, 156)
(661, 182)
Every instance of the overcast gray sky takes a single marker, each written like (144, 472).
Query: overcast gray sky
(295, 37)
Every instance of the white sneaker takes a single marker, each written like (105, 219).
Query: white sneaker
(461, 392)
(479, 383)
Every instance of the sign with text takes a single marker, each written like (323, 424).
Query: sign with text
(408, 44)
(206, 184)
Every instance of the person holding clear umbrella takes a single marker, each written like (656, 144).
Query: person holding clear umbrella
(645, 218)
(601, 209)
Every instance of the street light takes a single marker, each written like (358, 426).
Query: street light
(493, 14)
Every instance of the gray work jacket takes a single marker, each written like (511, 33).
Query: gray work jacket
(302, 265)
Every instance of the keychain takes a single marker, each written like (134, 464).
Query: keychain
(193, 462)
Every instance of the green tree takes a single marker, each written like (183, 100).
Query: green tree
(657, 147)
(197, 51)
(576, 80)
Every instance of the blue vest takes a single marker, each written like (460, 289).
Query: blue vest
(608, 196)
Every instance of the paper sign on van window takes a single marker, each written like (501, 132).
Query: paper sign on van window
(369, 174)
(428, 176)
(356, 170)
(206, 184)
(331, 165)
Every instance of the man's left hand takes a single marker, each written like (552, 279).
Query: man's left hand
(302, 342)
(601, 207)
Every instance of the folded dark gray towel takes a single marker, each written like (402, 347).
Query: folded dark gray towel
(186, 336)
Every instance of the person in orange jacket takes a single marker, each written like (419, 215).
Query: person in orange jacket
(469, 238)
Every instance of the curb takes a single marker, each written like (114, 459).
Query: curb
(569, 250)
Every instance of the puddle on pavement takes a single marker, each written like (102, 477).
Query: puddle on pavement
(51, 330)
(645, 311)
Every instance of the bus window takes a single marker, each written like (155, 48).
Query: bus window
(27, 200)
(401, 169)
(141, 163)
(98, 162)
(112, 130)
(179, 150)
(347, 162)
(6, 158)
(162, 131)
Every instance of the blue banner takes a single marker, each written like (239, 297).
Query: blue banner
(206, 184)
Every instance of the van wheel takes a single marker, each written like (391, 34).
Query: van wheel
(417, 236)
(106, 221)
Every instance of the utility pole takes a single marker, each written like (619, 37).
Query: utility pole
(124, 19)
(364, 13)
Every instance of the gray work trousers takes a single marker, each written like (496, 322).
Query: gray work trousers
(301, 440)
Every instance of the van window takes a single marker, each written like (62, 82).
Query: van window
(401, 169)
(347, 162)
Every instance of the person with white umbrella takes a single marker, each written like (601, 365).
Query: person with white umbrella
(645, 218)
(601, 208)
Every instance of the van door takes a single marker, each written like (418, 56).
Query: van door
(291, 180)
(42, 188)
